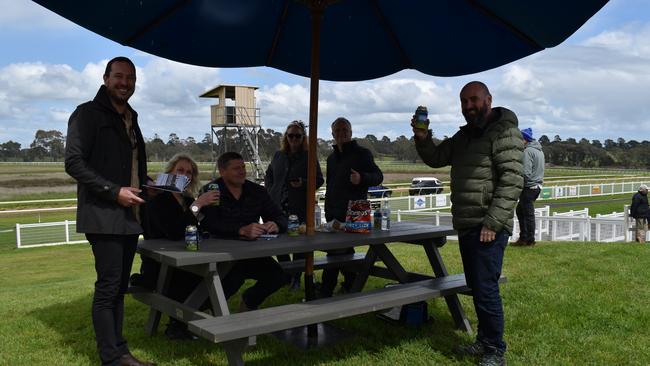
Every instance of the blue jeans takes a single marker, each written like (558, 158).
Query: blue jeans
(482, 263)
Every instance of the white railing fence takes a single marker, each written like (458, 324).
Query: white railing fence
(574, 225)
(48, 234)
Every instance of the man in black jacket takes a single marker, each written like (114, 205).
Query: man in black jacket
(351, 169)
(241, 204)
(105, 154)
(640, 211)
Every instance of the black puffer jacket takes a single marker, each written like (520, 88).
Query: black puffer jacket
(339, 188)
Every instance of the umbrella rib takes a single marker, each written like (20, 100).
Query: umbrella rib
(391, 34)
(278, 32)
(505, 23)
(155, 22)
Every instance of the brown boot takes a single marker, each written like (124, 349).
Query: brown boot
(519, 243)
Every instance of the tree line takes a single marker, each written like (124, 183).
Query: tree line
(50, 146)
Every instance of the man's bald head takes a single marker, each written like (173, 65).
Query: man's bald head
(476, 102)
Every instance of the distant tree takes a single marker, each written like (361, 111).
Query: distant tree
(557, 138)
(621, 143)
(10, 150)
(609, 144)
(48, 144)
(597, 144)
(571, 141)
(173, 139)
(584, 141)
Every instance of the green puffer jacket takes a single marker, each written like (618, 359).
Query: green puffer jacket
(486, 171)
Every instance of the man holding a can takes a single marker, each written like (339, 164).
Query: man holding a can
(486, 181)
(236, 216)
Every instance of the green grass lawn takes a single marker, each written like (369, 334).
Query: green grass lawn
(565, 304)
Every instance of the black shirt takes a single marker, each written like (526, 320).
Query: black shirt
(231, 214)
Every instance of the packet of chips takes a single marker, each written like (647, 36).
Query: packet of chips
(358, 218)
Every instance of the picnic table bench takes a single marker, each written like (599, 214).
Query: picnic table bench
(214, 259)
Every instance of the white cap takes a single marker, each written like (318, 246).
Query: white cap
(643, 187)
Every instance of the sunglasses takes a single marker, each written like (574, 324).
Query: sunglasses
(294, 135)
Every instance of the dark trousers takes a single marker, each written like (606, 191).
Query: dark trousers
(482, 263)
(113, 260)
(526, 213)
(268, 273)
(330, 275)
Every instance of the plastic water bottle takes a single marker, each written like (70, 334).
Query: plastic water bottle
(317, 217)
(385, 216)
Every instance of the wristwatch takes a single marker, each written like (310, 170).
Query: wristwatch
(195, 209)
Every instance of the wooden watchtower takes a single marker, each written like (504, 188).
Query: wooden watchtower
(235, 122)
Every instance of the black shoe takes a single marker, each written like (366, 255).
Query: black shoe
(519, 243)
(492, 359)
(531, 243)
(470, 349)
(177, 331)
(127, 359)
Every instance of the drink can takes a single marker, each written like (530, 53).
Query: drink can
(377, 216)
(214, 187)
(293, 227)
(191, 238)
(421, 116)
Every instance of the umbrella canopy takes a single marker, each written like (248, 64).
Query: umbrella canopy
(360, 39)
(338, 40)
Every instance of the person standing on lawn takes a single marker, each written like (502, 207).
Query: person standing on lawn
(105, 154)
(533, 179)
(640, 212)
(486, 181)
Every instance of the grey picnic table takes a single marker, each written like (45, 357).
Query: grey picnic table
(215, 257)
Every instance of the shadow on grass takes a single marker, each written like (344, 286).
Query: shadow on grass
(369, 337)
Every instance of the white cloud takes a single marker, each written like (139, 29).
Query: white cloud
(595, 89)
(27, 15)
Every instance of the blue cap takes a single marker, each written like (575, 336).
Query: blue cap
(527, 134)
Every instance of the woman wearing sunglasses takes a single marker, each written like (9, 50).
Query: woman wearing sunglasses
(286, 179)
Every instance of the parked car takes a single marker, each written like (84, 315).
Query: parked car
(373, 192)
(425, 185)
(379, 192)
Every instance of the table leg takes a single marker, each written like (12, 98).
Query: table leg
(392, 264)
(154, 315)
(362, 276)
(453, 303)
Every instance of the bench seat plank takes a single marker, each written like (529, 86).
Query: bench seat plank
(273, 319)
(332, 261)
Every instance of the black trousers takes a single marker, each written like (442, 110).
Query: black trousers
(526, 213)
(330, 275)
(268, 273)
(113, 261)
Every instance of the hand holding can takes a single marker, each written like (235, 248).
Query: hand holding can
(421, 119)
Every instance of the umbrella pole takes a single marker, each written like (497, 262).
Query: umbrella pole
(316, 8)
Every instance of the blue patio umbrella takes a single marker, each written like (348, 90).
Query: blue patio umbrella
(338, 40)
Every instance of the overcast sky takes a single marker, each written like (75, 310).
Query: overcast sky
(594, 85)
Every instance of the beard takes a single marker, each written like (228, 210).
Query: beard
(479, 117)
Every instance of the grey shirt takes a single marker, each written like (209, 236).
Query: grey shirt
(533, 165)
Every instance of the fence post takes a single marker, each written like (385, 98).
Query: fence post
(437, 218)
(399, 215)
(67, 232)
(18, 235)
